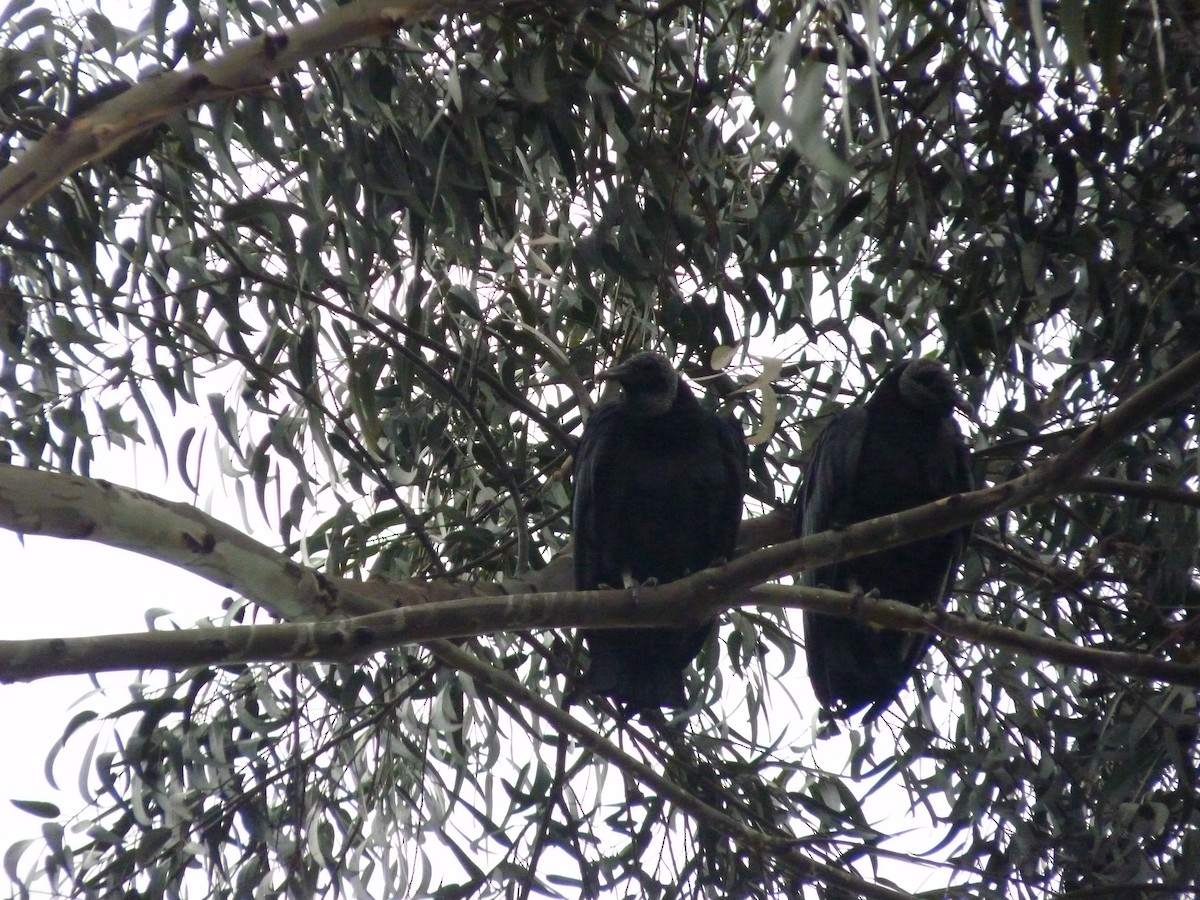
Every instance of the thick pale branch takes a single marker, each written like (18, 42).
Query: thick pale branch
(248, 66)
(72, 507)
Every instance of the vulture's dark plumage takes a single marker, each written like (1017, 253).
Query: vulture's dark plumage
(898, 450)
(658, 495)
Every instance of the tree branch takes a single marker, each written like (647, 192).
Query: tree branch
(247, 66)
(1118, 487)
(1055, 476)
(77, 508)
(351, 639)
(902, 616)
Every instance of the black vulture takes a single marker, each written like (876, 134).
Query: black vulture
(900, 449)
(658, 495)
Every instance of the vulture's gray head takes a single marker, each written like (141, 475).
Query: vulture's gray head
(649, 381)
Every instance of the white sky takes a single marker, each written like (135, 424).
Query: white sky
(59, 588)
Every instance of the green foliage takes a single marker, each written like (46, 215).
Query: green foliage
(380, 288)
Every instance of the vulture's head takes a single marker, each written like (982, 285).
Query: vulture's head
(925, 385)
(649, 381)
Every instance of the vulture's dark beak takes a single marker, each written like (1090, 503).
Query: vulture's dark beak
(968, 410)
(613, 373)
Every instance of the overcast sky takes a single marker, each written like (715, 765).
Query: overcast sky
(59, 588)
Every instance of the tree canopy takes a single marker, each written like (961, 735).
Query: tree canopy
(362, 262)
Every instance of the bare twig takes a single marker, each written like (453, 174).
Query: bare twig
(781, 846)
(1118, 487)
(902, 616)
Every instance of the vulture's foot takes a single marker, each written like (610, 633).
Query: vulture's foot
(633, 586)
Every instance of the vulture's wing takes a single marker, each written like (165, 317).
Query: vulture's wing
(591, 459)
(825, 496)
(727, 508)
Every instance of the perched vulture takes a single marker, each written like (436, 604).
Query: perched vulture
(658, 495)
(898, 450)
